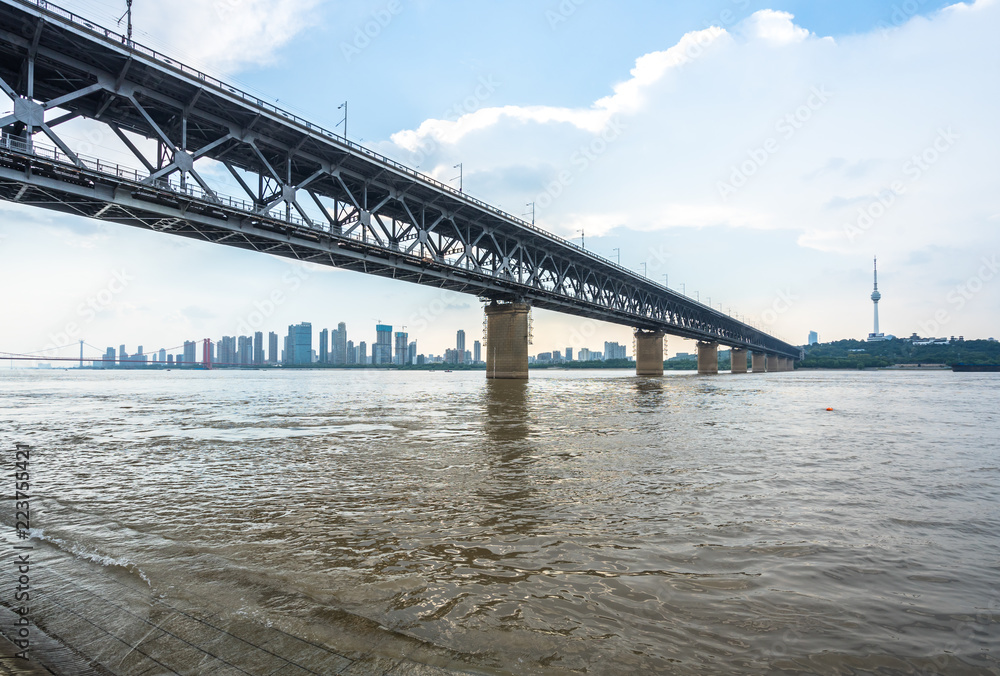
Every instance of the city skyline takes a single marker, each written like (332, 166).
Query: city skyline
(716, 221)
(299, 349)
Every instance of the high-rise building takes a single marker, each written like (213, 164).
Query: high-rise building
(258, 348)
(411, 355)
(272, 347)
(109, 358)
(813, 337)
(352, 354)
(460, 345)
(122, 355)
(569, 354)
(245, 351)
(382, 349)
(614, 351)
(363, 353)
(170, 360)
(163, 355)
(477, 352)
(299, 344)
(401, 348)
(334, 341)
(226, 354)
(584, 354)
(190, 352)
(324, 346)
(556, 355)
(340, 344)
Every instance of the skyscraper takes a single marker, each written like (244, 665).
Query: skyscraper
(352, 356)
(569, 354)
(460, 346)
(382, 349)
(258, 348)
(401, 348)
(299, 344)
(411, 354)
(363, 353)
(324, 346)
(272, 347)
(477, 352)
(813, 337)
(189, 352)
(340, 344)
(614, 351)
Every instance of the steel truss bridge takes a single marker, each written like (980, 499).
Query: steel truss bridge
(310, 194)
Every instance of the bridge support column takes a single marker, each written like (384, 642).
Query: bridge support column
(772, 363)
(507, 341)
(648, 353)
(758, 362)
(788, 364)
(708, 358)
(738, 360)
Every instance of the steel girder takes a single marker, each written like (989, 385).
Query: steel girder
(309, 194)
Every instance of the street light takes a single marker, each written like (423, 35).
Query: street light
(344, 121)
(461, 171)
(619, 252)
(643, 268)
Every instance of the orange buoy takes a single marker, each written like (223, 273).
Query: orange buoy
(829, 409)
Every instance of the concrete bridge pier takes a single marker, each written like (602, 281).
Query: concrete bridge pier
(758, 362)
(787, 364)
(708, 358)
(773, 365)
(648, 353)
(738, 360)
(507, 341)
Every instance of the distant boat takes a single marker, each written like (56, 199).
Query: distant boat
(976, 368)
(447, 370)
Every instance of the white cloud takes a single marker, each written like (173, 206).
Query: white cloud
(627, 98)
(805, 135)
(218, 36)
(774, 27)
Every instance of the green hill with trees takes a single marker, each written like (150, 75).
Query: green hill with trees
(856, 354)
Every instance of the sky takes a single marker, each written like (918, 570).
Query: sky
(756, 155)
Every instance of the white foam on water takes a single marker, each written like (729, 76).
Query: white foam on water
(81, 552)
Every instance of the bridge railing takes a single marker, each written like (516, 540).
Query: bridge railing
(139, 178)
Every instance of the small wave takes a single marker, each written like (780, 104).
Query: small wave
(82, 553)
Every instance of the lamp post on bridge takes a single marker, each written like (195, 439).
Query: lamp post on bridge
(460, 177)
(619, 252)
(344, 121)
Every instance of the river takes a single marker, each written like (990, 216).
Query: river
(582, 522)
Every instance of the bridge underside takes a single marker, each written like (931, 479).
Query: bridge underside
(310, 195)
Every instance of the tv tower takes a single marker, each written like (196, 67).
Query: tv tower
(876, 297)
